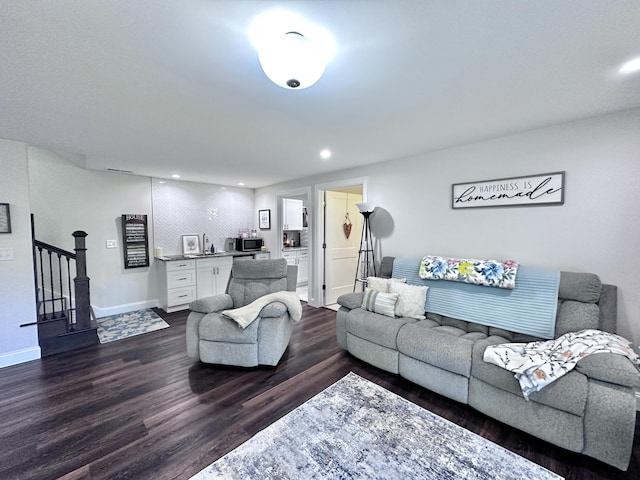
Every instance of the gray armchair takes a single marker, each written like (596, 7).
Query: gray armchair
(214, 338)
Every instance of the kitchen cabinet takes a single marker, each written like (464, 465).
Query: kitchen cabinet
(178, 285)
(212, 275)
(301, 259)
(291, 214)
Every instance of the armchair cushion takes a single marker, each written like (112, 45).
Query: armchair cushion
(215, 303)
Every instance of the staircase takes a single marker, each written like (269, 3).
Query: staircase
(65, 318)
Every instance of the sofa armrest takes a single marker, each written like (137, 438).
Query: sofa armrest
(273, 310)
(611, 368)
(351, 300)
(212, 304)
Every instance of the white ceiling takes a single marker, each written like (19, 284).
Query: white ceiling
(161, 87)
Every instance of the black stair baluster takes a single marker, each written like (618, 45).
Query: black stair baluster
(44, 304)
(53, 305)
(69, 289)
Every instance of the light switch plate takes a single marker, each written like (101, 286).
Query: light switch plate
(111, 244)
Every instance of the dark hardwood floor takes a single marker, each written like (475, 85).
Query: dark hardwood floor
(139, 408)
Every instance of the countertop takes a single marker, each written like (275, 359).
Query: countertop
(233, 253)
(294, 249)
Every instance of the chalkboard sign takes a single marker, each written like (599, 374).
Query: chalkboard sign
(135, 241)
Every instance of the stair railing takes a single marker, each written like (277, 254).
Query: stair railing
(55, 297)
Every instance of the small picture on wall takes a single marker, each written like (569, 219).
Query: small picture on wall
(264, 219)
(191, 244)
(5, 218)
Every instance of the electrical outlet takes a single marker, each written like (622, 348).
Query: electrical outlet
(111, 244)
(6, 254)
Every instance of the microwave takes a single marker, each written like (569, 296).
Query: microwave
(249, 244)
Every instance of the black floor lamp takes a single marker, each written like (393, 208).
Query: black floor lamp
(366, 258)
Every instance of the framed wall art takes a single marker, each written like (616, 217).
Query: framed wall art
(191, 244)
(264, 219)
(532, 190)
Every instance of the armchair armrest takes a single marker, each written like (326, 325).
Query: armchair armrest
(273, 310)
(611, 368)
(212, 304)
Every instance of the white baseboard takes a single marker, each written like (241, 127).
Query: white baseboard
(124, 308)
(20, 356)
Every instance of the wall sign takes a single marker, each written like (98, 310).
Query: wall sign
(5, 218)
(532, 190)
(135, 241)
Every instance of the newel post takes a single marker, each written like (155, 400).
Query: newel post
(81, 283)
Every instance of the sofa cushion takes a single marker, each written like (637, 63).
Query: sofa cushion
(582, 287)
(351, 300)
(573, 316)
(376, 328)
(445, 347)
(569, 393)
(411, 299)
(611, 368)
(380, 302)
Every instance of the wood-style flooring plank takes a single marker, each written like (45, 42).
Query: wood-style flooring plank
(139, 408)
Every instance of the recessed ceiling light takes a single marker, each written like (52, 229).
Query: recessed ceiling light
(326, 153)
(631, 66)
(241, 184)
(175, 175)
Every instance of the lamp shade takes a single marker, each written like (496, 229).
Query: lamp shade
(292, 60)
(366, 207)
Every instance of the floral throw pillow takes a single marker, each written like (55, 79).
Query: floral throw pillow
(490, 273)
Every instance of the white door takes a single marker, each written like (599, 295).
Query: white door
(341, 253)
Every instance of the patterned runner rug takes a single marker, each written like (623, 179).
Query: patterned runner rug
(124, 325)
(358, 430)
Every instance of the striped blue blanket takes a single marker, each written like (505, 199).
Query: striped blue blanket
(529, 308)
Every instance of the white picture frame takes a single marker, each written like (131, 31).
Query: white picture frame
(191, 245)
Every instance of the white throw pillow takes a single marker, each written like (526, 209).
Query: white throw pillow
(380, 302)
(411, 300)
(382, 284)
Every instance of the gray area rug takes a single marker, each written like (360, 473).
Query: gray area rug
(356, 429)
(124, 325)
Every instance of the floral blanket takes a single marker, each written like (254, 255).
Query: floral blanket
(537, 364)
(490, 273)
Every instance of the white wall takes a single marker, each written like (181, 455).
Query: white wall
(65, 198)
(17, 294)
(596, 230)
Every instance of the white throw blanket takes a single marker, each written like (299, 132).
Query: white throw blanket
(247, 314)
(537, 364)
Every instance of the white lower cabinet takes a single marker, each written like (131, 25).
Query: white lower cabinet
(212, 275)
(178, 285)
(301, 259)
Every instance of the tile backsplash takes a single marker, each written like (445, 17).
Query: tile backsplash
(189, 208)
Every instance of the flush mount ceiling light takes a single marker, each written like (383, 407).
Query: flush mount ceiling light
(292, 52)
(631, 66)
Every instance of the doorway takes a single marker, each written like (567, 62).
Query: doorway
(336, 254)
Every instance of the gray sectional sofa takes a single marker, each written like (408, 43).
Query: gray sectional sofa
(590, 410)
